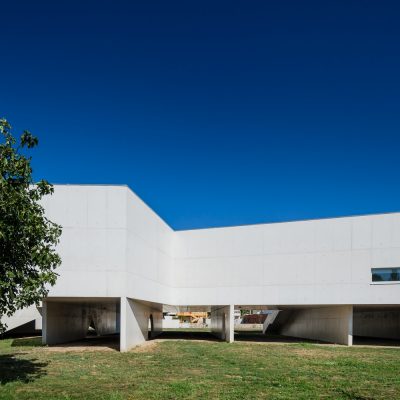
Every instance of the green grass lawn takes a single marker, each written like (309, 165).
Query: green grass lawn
(200, 370)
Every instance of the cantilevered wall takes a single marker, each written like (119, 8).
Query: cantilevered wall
(317, 262)
(112, 244)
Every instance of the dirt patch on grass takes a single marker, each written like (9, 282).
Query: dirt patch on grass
(186, 340)
(145, 347)
(313, 353)
(74, 348)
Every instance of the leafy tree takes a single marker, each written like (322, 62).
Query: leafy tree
(27, 238)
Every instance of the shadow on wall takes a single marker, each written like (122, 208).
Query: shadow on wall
(28, 329)
(17, 369)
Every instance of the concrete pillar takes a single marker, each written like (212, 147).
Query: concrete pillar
(63, 322)
(328, 324)
(135, 319)
(230, 333)
(222, 319)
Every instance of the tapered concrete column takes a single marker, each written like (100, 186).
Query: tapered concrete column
(222, 318)
(136, 319)
(329, 324)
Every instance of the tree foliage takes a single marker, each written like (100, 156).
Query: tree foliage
(27, 238)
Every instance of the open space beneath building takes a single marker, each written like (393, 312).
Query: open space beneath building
(131, 322)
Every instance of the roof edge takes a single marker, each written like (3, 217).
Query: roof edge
(227, 226)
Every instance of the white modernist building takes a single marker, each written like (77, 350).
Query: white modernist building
(122, 266)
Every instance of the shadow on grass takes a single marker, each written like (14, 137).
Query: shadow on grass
(249, 336)
(17, 369)
(106, 341)
(349, 394)
(187, 335)
(27, 341)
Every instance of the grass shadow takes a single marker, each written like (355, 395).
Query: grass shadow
(27, 341)
(243, 336)
(105, 341)
(349, 394)
(18, 369)
(187, 335)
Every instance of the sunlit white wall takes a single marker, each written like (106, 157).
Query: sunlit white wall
(325, 261)
(114, 245)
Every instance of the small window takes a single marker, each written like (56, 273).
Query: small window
(385, 274)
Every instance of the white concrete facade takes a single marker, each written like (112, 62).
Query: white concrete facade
(114, 246)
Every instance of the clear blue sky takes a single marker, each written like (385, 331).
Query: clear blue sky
(215, 113)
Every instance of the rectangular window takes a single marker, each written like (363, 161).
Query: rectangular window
(385, 274)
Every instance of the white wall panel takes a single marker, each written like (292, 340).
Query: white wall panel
(312, 262)
(381, 231)
(361, 266)
(247, 241)
(97, 207)
(361, 237)
(342, 234)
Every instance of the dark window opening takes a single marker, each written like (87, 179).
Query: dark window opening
(385, 274)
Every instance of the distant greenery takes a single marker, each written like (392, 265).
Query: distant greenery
(200, 370)
(27, 238)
